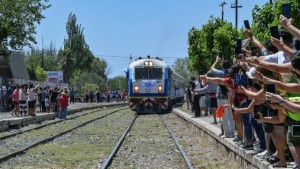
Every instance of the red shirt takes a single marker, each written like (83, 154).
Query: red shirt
(233, 86)
(63, 101)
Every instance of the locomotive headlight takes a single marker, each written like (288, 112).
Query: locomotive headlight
(160, 89)
(136, 89)
(148, 63)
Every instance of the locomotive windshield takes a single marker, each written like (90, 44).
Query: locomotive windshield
(148, 73)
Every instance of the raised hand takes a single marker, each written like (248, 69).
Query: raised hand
(285, 22)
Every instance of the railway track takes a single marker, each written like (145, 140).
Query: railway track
(19, 142)
(124, 155)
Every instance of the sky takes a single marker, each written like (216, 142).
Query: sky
(116, 29)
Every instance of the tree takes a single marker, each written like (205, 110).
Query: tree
(204, 44)
(76, 54)
(17, 26)
(268, 15)
(41, 75)
(181, 68)
(34, 59)
(117, 82)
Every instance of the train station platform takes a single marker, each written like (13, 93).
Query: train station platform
(7, 120)
(205, 127)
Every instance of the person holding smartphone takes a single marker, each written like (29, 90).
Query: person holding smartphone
(256, 93)
(291, 119)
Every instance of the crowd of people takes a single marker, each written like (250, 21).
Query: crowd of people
(259, 91)
(106, 96)
(28, 97)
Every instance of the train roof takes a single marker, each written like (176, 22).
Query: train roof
(156, 61)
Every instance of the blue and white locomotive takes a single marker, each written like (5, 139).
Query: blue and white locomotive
(152, 86)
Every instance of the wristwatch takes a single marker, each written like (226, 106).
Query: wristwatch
(281, 101)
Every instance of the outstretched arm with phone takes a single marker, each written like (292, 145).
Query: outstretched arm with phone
(281, 46)
(287, 24)
(253, 39)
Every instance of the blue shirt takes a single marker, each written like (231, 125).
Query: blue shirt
(221, 74)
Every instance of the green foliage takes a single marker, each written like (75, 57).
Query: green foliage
(17, 26)
(34, 59)
(87, 78)
(268, 15)
(117, 82)
(89, 87)
(205, 43)
(181, 68)
(41, 75)
(76, 55)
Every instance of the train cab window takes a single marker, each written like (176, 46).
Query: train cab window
(148, 73)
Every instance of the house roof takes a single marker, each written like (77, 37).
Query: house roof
(13, 67)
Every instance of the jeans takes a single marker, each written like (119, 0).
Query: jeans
(207, 103)
(63, 113)
(246, 124)
(259, 132)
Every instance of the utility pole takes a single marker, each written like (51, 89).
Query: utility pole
(271, 2)
(222, 5)
(236, 6)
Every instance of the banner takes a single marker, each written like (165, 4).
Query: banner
(55, 76)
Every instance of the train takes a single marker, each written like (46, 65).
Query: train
(153, 87)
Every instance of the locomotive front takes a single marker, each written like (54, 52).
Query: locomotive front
(148, 79)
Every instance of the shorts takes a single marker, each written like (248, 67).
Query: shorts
(202, 101)
(267, 127)
(31, 104)
(213, 102)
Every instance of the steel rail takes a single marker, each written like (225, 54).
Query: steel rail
(109, 159)
(54, 122)
(186, 159)
(5, 157)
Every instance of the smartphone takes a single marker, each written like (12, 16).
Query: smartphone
(274, 32)
(271, 88)
(296, 130)
(221, 55)
(255, 112)
(239, 42)
(255, 51)
(286, 10)
(238, 51)
(246, 24)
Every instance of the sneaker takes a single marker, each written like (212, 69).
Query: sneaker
(248, 147)
(239, 143)
(12, 113)
(236, 139)
(266, 156)
(262, 153)
(257, 151)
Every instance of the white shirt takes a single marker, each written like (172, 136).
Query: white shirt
(31, 95)
(278, 58)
